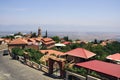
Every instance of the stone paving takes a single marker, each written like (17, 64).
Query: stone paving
(14, 70)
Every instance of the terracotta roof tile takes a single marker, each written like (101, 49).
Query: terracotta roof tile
(102, 67)
(31, 39)
(80, 52)
(18, 41)
(115, 57)
(38, 39)
(52, 52)
(51, 42)
(1, 39)
(47, 39)
(66, 42)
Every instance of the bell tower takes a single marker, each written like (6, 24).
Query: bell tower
(39, 32)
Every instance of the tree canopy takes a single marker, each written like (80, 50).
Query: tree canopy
(100, 51)
(33, 54)
(56, 39)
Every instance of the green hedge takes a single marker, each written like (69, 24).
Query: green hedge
(17, 51)
(83, 71)
(33, 54)
(80, 71)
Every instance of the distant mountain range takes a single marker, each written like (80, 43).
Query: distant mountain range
(88, 36)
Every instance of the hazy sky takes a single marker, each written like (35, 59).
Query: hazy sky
(60, 15)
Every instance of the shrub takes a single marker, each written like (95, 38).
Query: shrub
(17, 51)
(34, 55)
(80, 71)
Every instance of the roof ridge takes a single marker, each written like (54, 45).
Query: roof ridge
(20, 39)
(84, 52)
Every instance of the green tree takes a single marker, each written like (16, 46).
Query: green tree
(75, 45)
(17, 51)
(9, 37)
(65, 48)
(56, 39)
(34, 55)
(95, 41)
(66, 38)
(33, 35)
(113, 47)
(19, 33)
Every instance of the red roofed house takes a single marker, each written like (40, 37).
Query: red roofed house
(66, 43)
(31, 41)
(79, 55)
(57, 53)
(50, 54)
(38, 39)
(103, 43)
(48, 42)
(114, 57)
(19, 42)
(7, 40)
(34, 41)
(1, 41)
(2, 44)
(104, 69)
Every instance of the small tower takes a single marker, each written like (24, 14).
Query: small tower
(39, 32)
(46, 34)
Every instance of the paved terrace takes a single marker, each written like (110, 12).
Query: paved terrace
(14, 70)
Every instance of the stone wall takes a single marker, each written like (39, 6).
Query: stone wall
(29, 63)
(44, 68)
(3, 46)
(80, 77)
(36, 47)
(92, 78)
(35, 65)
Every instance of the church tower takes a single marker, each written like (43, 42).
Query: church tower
(46, 34)
(39, 32)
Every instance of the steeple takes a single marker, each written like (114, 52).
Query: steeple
(39, 32)
(46, 34)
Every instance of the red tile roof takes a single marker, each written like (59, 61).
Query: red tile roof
(38, 39)
(52, 52)
(115, 57)
(47, 39)
(1, 39)
(51, 42)
(7, 40)
(80, 52)
(102, 67)
(18, 41)
(31, 40)
(66, 42)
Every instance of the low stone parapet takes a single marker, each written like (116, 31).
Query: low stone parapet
(92, 78)
(44, 68)
(68, 73)
(21, 59)
(35, 65)
(78, 76)
(29, 63)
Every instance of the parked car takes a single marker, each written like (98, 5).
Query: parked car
(5, 52)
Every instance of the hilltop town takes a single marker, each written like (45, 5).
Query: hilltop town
(64, 58)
